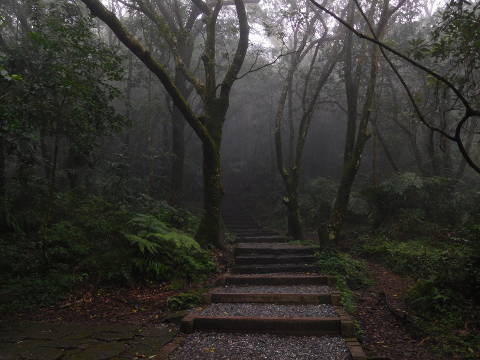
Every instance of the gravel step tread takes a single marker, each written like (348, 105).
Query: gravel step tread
(276, 256)
(272, 237)
(269, 310)
(275, 259)
(234, 346)
(272, 268)
(278, 246)
(280, 275)
(266, 289)
(277, 279)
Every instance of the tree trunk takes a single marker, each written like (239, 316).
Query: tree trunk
(178, 150)
(211, 229)
(3, 184)
(178, 144)
(295, 228)
(340, 207)
(3, 180)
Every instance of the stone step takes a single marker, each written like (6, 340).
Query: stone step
(271, 249)
(275, 268)
(241, 217)
(228, 345)
(244, 228)
(262, 239)
(274, 259)
(276, 295)
(296, 319)
(242, 233)
(278, 279)
(289, 326)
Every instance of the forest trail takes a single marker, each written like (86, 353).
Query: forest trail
(271, 305)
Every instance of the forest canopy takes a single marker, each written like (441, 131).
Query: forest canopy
(128, 128)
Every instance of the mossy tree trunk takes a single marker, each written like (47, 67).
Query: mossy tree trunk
(295, 227)
(357, 134)
(289, 166)
(214, 94)
(211, 226)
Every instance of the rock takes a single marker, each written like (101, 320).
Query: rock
(32, 350)
(101, 351)
(175, 317)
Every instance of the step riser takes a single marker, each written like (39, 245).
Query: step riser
(273, 298)
(266, 251)
(255, 270)
(272, 238)
(258, 234)
(243, 226)
(263, 240)
(256, 231)
(291, 326)
(275, 260)
(276, 281)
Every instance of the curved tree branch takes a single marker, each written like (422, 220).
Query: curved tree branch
(97, 9)
(469, 110)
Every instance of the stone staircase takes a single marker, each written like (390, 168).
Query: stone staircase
(272, 289)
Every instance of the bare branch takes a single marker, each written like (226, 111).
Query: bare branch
(252, 70)
(437, 76)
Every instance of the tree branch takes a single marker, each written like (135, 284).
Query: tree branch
(153, 65)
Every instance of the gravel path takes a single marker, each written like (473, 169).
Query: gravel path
(269, 310)
(273, 275)
(232, 346)
(271, 246)
(294, 289)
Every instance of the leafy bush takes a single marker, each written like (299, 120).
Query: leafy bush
(86, 238)
(349, 272)
(166, 254)
(317, 200)
(434, 196)
(446, 295)
(184, 301)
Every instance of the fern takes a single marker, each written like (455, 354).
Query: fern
(164, 253)
(143, 244)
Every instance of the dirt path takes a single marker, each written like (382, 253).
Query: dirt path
(385, 335)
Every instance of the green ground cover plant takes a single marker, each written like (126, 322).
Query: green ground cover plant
(89, 240)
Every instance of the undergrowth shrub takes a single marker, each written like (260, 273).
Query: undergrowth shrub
(434, 198)
(445, 299)
(83, 238)
(164, 253)
(185, 300)
(350, 274)
(318, 198)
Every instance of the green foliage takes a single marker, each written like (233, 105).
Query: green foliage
(178, 218)
(446, 295)
(433, 196)
(57, 80)
(318, 198)
(165, 253)
(185, 300)
(349, 272)
(455, 39)
(90, 239)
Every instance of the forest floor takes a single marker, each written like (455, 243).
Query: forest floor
(380, 311)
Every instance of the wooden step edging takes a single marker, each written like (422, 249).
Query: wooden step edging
(332, 298)
(274, 260)
(341, 325)
(298, 279)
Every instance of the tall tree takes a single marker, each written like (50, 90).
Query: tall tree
(215, 95)
(357, 133)
(304, 41)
